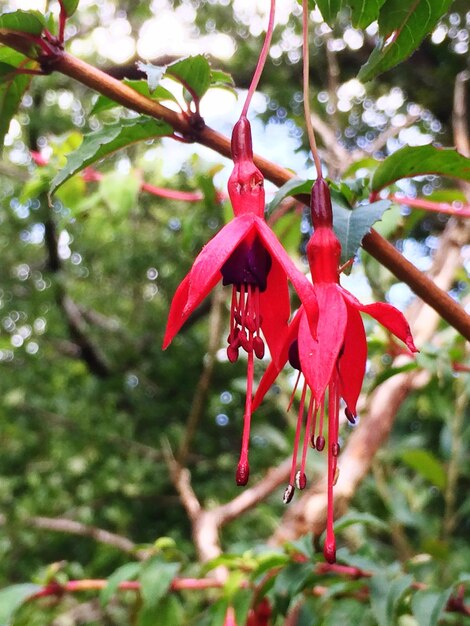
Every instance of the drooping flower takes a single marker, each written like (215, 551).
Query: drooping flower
(246, 254)
(333, 364)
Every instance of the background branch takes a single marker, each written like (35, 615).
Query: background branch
(373, 242)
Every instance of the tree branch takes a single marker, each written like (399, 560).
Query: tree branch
(72, 527)
(77, 326)
(375, 244)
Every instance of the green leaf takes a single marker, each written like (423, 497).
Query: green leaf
(154, 74)
(107, 140)
(217, 612)
(393, 371)
(192, 72)
(420, 160)
(169, 611)
(129, 571)
(70, 6)
(351, 226)
(268, 562)
(12, 89)
(155, 578)
(364, 12)
(11, 598)
(222, 79)
(241, 602)
(329, 9)
(426, 464)
(428, 606)
(293, 187)
(103, 103)
(293, 578)
(385, 596)
(31, 22)
(360, 518)
(403, 24)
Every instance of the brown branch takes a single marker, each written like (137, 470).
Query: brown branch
(12, 171)
(422, 286)
(249, 498)
(77, 326)
(72, 527)
(78, 330)
(373, 243)
(459, 114)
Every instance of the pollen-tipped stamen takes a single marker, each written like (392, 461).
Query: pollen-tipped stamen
(298, 431)
(320, 440)
(311, 412)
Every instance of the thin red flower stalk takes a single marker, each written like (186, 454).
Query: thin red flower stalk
(96, 584)
(458, 210)
(90, 175)
(261, 60)
(333, 363)
(306, 89)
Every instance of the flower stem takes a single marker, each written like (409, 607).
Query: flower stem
(262, 59)
(306, 90)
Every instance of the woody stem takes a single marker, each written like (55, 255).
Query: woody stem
(373, 243)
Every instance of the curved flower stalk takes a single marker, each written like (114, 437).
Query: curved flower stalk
(247, 255)
(333, 364)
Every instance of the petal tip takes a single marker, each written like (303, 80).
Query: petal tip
(410, 345)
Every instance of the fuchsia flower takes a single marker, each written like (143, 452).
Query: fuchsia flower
(333, 364)
(246, 255)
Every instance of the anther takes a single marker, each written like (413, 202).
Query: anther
(320, 443)
(288, 494)
(300, 480)
(242, 474)
(250, 324)
(244, 341)
(258, 347)
(232, 353)
(335, 449)
(336, 476)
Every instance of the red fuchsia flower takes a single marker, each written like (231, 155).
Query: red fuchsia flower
(246, 255)
(333, 364)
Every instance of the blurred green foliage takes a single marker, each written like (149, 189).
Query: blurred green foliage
(88, 401)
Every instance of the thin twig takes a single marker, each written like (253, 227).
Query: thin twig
(72, 527)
